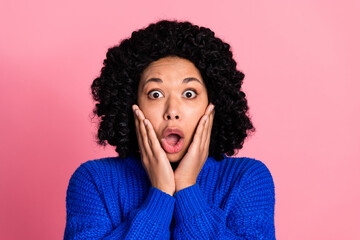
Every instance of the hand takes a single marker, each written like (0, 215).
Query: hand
(153, 157)
(191, 164)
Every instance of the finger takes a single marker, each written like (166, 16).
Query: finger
(206, 116)
(199, 130)
(141, 136)
(154, 143)
(143, 133)
(205, 131)
(137, 127)
(211, 122)
(211, 110)
(208, 112)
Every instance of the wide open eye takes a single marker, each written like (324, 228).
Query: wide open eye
(190, 94)
(155, 94)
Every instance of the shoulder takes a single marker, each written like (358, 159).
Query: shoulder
(97, 166)
(248, 171)
(97, 178)
(252, 181)
(245, 165)
(251, 198)
(96, 171)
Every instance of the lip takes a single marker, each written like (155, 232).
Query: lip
(172, 130)
(172, 148)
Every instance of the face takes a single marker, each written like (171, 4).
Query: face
(173, 97)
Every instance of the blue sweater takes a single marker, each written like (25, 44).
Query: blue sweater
(112, 198)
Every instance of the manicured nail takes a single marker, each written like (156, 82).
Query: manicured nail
(137, 112)
(146, 122)
(205, 118)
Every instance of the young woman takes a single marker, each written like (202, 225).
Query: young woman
(174, 178)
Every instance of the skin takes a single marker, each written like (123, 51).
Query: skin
(165, 100)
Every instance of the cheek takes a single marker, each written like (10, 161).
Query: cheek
(154, 117)
(194, 118)
(151, 115)
(200, 110)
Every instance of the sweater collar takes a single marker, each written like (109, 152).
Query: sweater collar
(135, 162)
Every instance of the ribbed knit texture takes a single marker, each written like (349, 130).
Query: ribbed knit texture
(112, 198)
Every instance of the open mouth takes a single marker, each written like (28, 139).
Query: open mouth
(172, 143)
(172, 139)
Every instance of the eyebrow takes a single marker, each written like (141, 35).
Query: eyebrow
(186, 80)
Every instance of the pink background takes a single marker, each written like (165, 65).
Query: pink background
(301, 61)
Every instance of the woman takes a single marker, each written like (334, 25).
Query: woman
(174, 177)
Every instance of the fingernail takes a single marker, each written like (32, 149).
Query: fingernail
(137, 112)
(205, 117)
(145, 122)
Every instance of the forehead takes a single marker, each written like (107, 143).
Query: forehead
(173, 68)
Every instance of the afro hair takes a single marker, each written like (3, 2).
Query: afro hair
(115, 90)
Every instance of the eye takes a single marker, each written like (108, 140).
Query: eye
(190, 94)
(155, 94)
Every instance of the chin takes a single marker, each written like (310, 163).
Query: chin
(175, 157)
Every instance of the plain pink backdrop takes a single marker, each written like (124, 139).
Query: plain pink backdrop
(301, 61)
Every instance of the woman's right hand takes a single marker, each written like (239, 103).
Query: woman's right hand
(153, 157)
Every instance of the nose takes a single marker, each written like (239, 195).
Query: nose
(172, 111)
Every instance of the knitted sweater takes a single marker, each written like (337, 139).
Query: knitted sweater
(112, 198)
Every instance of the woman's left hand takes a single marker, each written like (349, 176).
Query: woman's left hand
(191, 164)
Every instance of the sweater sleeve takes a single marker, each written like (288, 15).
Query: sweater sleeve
(88, 218)
(249, 210)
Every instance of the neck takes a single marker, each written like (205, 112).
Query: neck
(174, 165)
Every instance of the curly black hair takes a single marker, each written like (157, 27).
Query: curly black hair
(115, 90)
